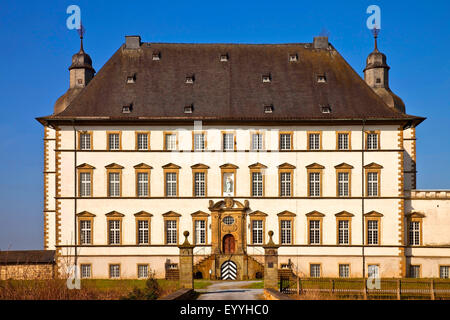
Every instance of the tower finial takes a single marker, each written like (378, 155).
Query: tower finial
(375, 32)
(81, 32)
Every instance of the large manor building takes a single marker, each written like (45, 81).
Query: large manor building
(229, 142)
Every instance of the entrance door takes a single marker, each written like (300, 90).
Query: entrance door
(229, 270)
(228, 244)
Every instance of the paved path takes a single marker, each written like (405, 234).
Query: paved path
(230, 290)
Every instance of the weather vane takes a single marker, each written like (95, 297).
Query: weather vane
(376, 32)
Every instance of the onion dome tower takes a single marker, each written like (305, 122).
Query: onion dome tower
(81, 73)
(376, 75)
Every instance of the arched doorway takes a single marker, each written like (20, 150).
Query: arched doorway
(228, 244)
(228, 270)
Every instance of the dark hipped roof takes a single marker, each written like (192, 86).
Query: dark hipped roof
(27, 257)
(231, 90)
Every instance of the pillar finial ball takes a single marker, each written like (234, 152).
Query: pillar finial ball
(270, 233)
(186, 234)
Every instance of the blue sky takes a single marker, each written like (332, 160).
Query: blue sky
(37, 47)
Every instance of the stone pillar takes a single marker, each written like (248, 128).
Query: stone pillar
(186, 264)
(271, 264)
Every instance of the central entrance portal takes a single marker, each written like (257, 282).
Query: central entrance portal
(228, 244)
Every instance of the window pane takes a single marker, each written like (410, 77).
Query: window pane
(285, 184)
(228, 141)
(444, 272)
(171, 142)
(199, 184)
(314, 184)
(315, 271)
(114, 184)
(114, 143)
(314, 231)
(344, 232)
(286, 232)
(171, 184)
(199, 141)
(343, 141)
(343, 187)
(142, 271)
(142, 184)
(114, 271)
(257, 184)
(85, 271)
(257, 141)
(85, 141)
(142, 141)
(85, 232)
(171, 232)
(257, 231)
(85, 187)
(285, 141)
(372, 232)
(143, 232)
(114, 231)
(200, 232)
(314, 141)
(344, 271)
(372, 184)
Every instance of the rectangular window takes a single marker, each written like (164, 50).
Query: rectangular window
(314, 184)
(343, 181)
(86, 271)
(85, 141)
(143, 271)
(414, 271)
(228, 141)
(285, 141)
(343, 141)
(200, 232)
(199, 141)
(372, 184)
(314, 141)
(200, 184)
(344, 232)
(114, 231)
(373, 271)
(171, 232)
(314, 231)
(114, 141)
(372, 141)
(414, 233)
(171, 184)
(171, 141)
(257, 141)
(286, 232)
(257, 184)
(372, 232)
(85, 184)
(444, 272)
(85, 232)
(142, 184)
(314, 270)
(143, 232)
(114, 184)
(114, 271)
(142, 141)
(257, 231)
(344, 271)
(285, 184)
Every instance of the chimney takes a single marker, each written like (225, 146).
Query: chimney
(320, 42)
(132, 42)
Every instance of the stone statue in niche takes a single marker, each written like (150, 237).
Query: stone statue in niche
(228, 188)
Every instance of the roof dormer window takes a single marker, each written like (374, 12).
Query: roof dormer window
(131, 79)
(293, 57)
(325, 109)
(127, 109)
(224, 57)
(321, 78)
(266, 78)
(190, 79)
(268, 109)
(156, 55)
(189, 109)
